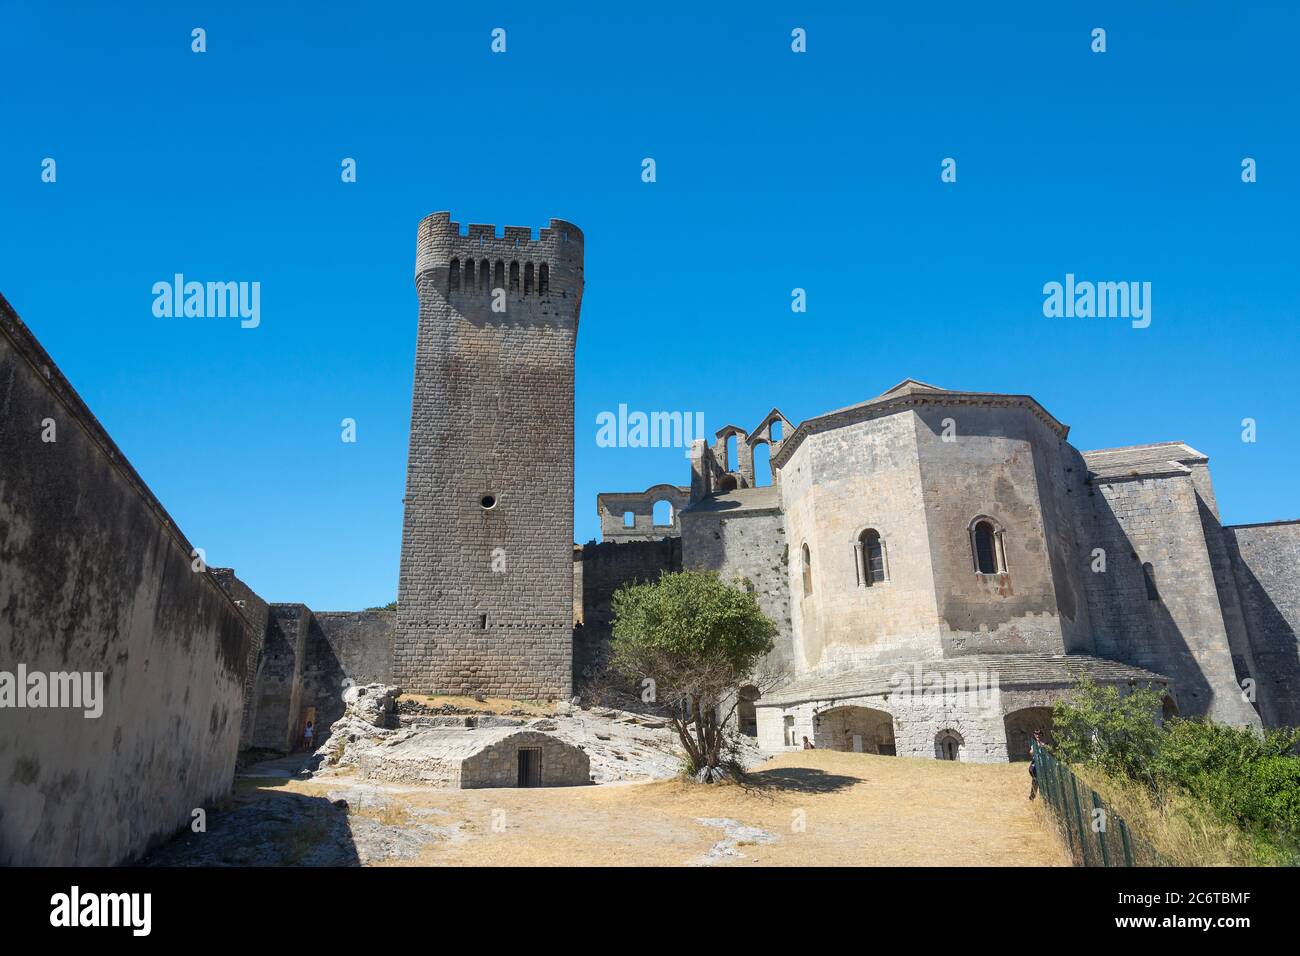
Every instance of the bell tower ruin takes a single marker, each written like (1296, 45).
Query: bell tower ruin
(485, 594)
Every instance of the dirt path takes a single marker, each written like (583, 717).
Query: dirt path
(805, 808)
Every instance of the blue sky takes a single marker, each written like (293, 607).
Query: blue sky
(775, 171)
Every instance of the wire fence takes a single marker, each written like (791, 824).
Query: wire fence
(1095, 834)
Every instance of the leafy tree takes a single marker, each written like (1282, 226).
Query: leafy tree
(1117, 732)
(690, 641)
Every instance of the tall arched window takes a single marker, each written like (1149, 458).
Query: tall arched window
(870, 555)
(807, 570)
(500, 275)
(987, 548)
(514, 277)
(662, 514)
(484, 275)
(453, 275)
(543, 279)
(528, 278)
(469, 275)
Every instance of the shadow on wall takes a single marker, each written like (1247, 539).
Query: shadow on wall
(1144, 633)
(1273, 643)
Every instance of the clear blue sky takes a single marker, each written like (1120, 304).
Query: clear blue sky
(775, 171)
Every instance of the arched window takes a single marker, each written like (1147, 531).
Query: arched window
(484, 275)
(1149, 578)
(987, 548)
(469, 275)
(663, 514)
(528, 278)
(500, 275)
(869, 552)
(731, 452)
(514, 277)
(453, 275)
(774, 431)
(807, 570)
(543, 279)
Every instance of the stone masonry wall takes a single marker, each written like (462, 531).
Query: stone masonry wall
(279, 682)
(256, 612)
(341, 646)
(1266, 565)
(485, 596)
(599, 571)
(96, 578)
(497, 765)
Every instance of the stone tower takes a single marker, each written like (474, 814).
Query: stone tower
(485, 596)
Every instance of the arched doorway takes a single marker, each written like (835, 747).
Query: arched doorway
(746, 712)
(948, 745)
(856, 730)
(1020, 726)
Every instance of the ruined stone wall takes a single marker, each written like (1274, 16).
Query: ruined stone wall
(279, 680)
(748, 545)
(600, 570)
(1266, 566)
(96, 577)
(255, 612)
(485, 601)
(612, 507)
(353, 646)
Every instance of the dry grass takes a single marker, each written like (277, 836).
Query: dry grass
(1183, 831)
(490, 705)
(821, 807)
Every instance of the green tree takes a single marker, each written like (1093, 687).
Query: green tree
(690, 641)
(1118, 732)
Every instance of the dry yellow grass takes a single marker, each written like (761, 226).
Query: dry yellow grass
(491, 705)
(821, 808)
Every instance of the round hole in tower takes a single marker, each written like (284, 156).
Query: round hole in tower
(488, 502)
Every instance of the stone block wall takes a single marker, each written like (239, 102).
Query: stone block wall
(747, 545)
(1266, 566)
(279, 682)
(96, 578)
(485, 599)
(256, 612)
(344, 646)
(599, 570)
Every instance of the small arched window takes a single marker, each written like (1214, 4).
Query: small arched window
(484, 275)
(453, 275)
(948, 745)
(870, 556)
(986, 547)
(528, 278)
(731, 453)
(663, 514)
(514, 277)
(500, 275)
(807, 570)
(1149, 578)
(543, 279)
(469, 275)
(774, 431)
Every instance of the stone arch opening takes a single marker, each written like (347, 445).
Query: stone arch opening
(987, 551)
(856, 730)
(731, 452)
(948, 745)
(662, 514)
(762, 464)
(1020, 726)
(453, 275)
(746, 712)
(869, 555)
(807, 570)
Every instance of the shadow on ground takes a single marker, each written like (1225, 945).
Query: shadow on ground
(798, 780)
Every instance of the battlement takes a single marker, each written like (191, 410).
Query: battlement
(441, 242)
